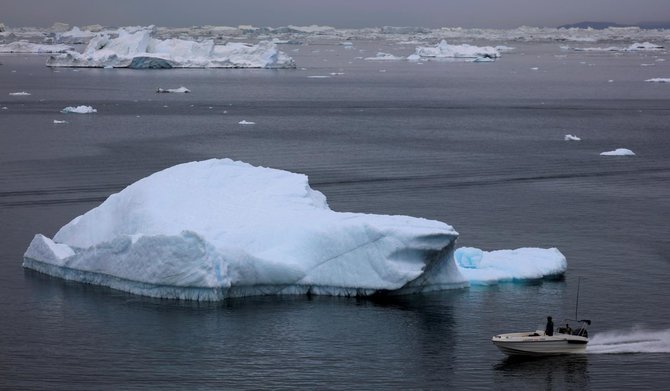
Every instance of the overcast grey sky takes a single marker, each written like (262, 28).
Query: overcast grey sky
(337, 13)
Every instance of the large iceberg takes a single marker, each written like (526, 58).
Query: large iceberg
(137, 49)
(215, 229)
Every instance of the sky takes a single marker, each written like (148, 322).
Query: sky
(336, 13)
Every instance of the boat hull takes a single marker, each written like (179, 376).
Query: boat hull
(531, 344)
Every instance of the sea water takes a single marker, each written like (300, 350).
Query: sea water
(479, 146)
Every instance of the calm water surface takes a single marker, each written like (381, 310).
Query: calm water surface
(479, 146)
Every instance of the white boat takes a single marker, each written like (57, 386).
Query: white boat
(537, 343)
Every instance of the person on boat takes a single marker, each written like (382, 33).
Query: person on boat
(568, 330)
(549, 329)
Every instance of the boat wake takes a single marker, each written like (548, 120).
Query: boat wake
(635, 340)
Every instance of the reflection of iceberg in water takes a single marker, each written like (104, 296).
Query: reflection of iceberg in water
(218, 228)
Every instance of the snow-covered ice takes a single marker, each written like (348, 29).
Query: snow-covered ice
(618, 152)
(79, 110)
(220, 228)
(138, 50)
(181, 89)
(485, 267)
(570, 137)
(21, 93)
(245, 122)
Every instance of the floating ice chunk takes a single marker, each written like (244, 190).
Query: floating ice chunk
(138, 50)
(79, 110)
(318, 77)
(22, 93)
(635, 47)
(245, 122)
(569, 137)
(445, 50)
(659, 80)
(534, 68)
(381, 56)
(218, 228)
(483, 59)
(29, 47)
(486, 267)
(181, 89)
(59, 122)
(618, 152)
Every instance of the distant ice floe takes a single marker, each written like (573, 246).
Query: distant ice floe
(570, 137)
(635, 47)
(138, 50)
(21, 93)
(485, 267)
(245, 122)
(618, 152)
(36, 48)
(443, 50)
(79, 110)
(181, 89)
(659, 80)
(381, 56)
(59, 122)
(216, 229)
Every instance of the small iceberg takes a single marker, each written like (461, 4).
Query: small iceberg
(445, 50)
(79, 110)
(381, 56)
(618, 152)
(245, 122)
(181, 89)
(570, 137)
(659, 80)
(22, 93)
(59, 122)
(486, 267)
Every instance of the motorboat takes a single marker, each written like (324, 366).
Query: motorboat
(538, 343)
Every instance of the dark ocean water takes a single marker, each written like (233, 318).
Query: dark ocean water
(479, 146)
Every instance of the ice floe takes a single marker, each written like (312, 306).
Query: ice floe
(29, 47)
(659, 80)
(245, 122)
(138, 50)
(59, 122)
(218, 228)
(445, 50)
(618, 152)
(79, 110)
(570, 137)
(381, 56)
(21, 93)
(181, 89)
(635, 47)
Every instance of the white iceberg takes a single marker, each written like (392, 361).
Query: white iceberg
(618, 152)
(570, 137)
(79, 110)
(181, 89)
(659, 80)
(486, 267)
(21, 93)
(218, 228)
(138, 50)
(445, 50)
(29, 47)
